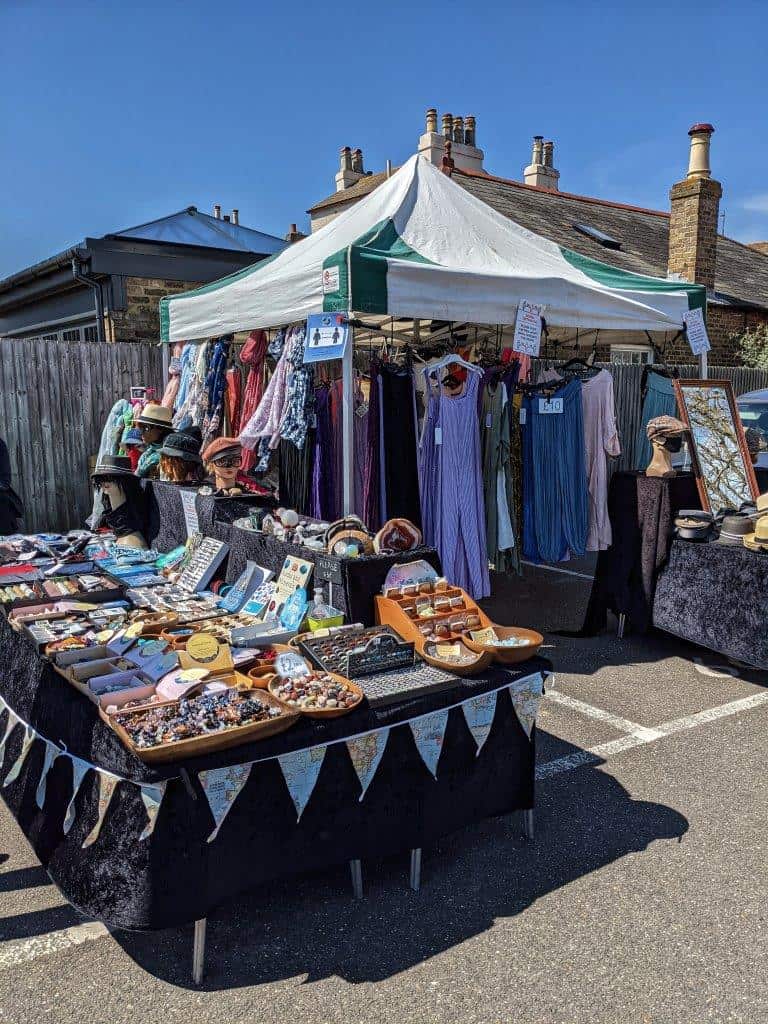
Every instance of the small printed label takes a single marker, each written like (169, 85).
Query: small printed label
(330, 280)
(488, 421)
(522, 416)
(438, 435)
(550, 405)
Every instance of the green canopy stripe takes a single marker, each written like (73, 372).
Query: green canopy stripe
(370, 257)
(623, 280)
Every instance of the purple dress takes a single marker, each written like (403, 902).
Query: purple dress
(428, 467)
(459, 511)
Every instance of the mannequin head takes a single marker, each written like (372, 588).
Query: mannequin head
(155, 422)
(755, 443)
(223, 459)
(180, 461)
(666, 436)
(122, 499)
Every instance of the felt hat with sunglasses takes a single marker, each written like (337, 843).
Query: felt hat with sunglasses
(222, 449)
(155, 416)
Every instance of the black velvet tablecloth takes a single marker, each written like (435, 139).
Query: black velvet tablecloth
(176, 876)
(642, 511)
(356, 580)
(716, 596)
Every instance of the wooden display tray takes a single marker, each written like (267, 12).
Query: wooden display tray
(100, 596)
(390, 611)
(322, 712)
(211, 742)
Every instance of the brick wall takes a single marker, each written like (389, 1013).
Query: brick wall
(140, 320)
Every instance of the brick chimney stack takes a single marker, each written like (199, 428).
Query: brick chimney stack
(695, 205)
(350, 168)
(454, 146)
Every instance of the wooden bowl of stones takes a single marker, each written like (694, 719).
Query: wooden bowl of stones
(317, 695)
(509, 644)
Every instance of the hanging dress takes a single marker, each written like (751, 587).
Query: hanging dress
(497, 479)
(659, 400)
(461, 516)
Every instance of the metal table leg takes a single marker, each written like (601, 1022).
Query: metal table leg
(416, 869)
(622, 624)
(198, 952)
(528, 824)
(356, 869)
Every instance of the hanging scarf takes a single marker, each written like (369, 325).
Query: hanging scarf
(215, 383)
(252, 355)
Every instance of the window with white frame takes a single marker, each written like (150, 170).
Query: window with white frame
(637, 355)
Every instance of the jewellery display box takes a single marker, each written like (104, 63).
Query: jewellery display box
(353, 653)
(437, 617)
(86, 587)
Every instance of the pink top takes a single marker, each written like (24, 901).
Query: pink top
(601, 439)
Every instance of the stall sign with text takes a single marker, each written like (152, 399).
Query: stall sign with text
(326, 337)
(527, 338)
(696, 331)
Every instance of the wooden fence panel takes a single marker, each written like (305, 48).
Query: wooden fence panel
(54, 401)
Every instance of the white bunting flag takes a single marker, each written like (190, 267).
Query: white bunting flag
(79, 770)
(10, 725)
(366, 752)
(107, 784)
(428, 732)
(478, 714)
(26, 743)
(526, 696)
(300, 770)
(222, 787)
(51, 753)
(152, 798)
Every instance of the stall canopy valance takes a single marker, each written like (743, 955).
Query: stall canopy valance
(421, 246)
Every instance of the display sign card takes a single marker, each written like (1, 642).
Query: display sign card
(326, 337)
(548, 406)
(190, 512)
(527, 338)
(331, 280)
(696, 331)
(248, 582)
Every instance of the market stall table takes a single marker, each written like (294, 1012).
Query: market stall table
(716, 596)
(155, 864)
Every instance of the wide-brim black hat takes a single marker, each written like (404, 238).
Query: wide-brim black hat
(181, 445)
(112, 465)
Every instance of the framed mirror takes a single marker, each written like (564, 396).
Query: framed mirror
(721, 461)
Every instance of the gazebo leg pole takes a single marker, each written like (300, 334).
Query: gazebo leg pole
(621, 626)
(356, 869)
(198, 952)
(416, 869)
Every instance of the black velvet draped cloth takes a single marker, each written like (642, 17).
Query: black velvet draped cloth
(716, 596)
(175, 876)
(642, 511)
(357, 580)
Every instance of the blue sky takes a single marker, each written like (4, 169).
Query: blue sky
(114, 113)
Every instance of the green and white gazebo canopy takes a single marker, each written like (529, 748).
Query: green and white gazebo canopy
(421, 247)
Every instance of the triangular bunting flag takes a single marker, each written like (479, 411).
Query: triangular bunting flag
(107, 784)
(51, 753)
(428, 732)
(366, 752)
(26, 743)
(526, 697)
(152, 797)
(79, 769)
(222, 787)
(10, 725)
(300, 771)
(478, 713)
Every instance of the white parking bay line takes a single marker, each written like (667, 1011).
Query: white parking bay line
(616, 721)
(563, 572)
(601, 753)
(24, 950)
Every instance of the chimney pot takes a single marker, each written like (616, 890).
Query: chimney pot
(226, 217)
(345, 159)
(537, 154)
(217, 211)
(357, 161)
(447, 164)
(458, 129)
(431, 122)
(235, 216)
(447, 126)
(698, 160)
(469, 130)
(548, 151)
